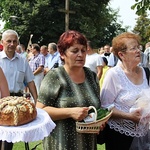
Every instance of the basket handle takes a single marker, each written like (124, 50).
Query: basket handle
(92, 107)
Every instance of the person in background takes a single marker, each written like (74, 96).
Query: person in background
(94, 61)
(101, 50)
(18, 49)
(16, 69)
(105, 68)
(29, 52)
(143, 57)
(54, 60)
(146, 61)
(121, 87)
(147, 45)
(67, 92)
(37, 63)
(24, 54)
(1, 47)
(107, 51)
(112, 60)
(44, 51)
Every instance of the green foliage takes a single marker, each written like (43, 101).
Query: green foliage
(43, 19)
(141, 6)
(143, 28)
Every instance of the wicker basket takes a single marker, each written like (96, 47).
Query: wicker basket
(92, 127)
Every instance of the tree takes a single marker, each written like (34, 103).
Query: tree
(42, 19)
(143, 28)
(142, 6)
(37, 17)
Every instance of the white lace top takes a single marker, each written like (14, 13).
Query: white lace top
(119, 91)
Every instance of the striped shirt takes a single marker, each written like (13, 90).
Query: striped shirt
(36, 61)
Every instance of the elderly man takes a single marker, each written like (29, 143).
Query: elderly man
(54, 60)
(44, 51)
(16, 69)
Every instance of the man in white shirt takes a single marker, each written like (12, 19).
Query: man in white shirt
(16, 69)
(44, 51)
(54, 60)
(94, 61)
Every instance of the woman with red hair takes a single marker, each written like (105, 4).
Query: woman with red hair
(66, 94)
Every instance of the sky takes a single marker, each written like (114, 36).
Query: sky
(127, 15)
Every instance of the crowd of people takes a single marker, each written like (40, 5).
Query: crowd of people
(67, 77)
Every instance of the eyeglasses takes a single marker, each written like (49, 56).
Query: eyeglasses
(135, 48)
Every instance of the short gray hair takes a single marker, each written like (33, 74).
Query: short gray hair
(53, 46)
(147, 45)
(9, 31)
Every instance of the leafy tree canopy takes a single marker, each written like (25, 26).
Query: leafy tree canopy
(43, 19)
(141, 6)
(143, 22)
(143, 28)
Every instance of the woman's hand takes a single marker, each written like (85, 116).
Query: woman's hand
(135, 116)
(79, 113)
(103, 126)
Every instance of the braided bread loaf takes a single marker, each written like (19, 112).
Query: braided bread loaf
(15, 111)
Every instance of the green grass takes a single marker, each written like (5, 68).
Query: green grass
(100, 147)
(21, 146)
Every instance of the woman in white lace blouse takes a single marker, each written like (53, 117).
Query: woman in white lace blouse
(121, 87)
